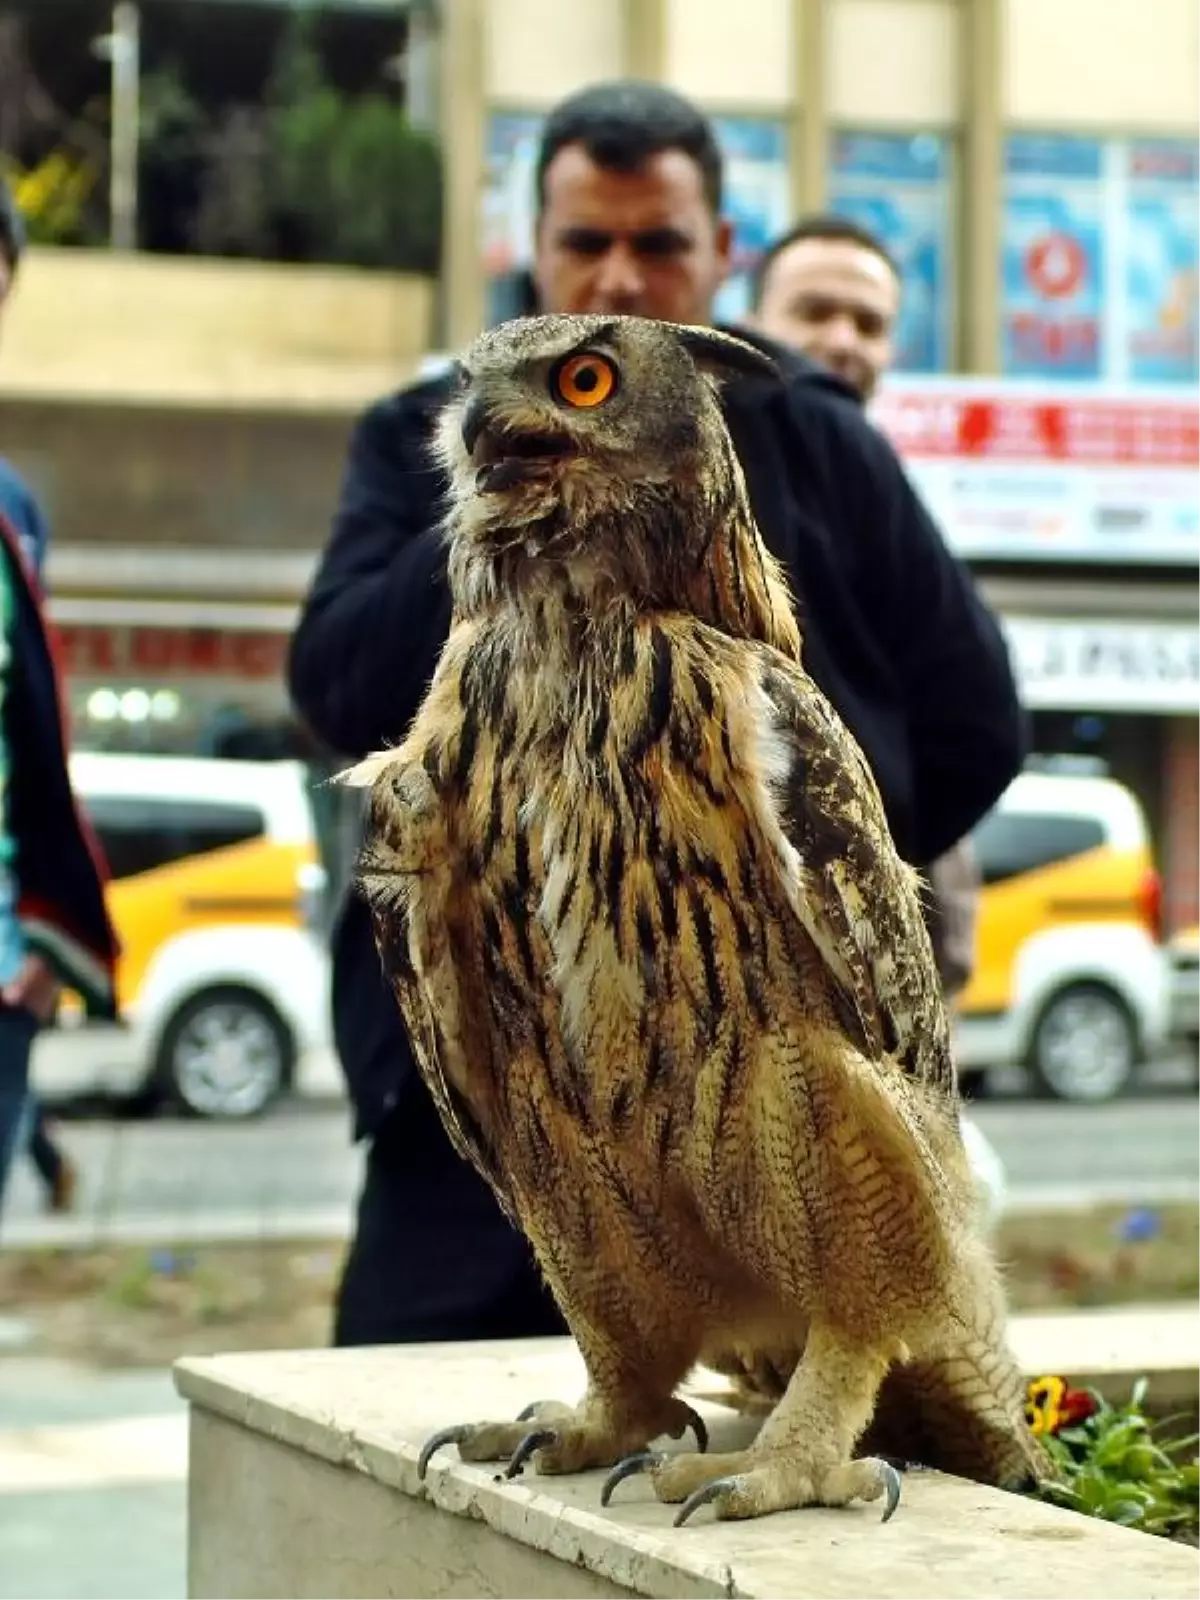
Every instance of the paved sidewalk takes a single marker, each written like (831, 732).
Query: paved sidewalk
(292, 1174)
(93, 1470)
(296, 1174)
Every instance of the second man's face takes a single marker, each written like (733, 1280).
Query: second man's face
(836, 301)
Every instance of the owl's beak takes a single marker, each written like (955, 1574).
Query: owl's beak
(475, 420)
(504, 459)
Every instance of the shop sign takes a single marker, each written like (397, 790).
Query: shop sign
(1067, 665)
(128, 651)
(1037, 472)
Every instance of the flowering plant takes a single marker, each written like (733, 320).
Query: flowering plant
(1113, 1461)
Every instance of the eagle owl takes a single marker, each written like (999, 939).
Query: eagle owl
(662, 968)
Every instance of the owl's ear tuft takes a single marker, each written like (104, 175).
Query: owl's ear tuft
(724, 357)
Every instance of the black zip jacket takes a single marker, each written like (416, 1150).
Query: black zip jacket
(893, 630)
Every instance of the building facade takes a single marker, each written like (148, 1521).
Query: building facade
(1033, 165)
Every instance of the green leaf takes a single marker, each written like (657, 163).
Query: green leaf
(1126, 1512)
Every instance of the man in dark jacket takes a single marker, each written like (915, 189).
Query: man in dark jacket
(629, 221)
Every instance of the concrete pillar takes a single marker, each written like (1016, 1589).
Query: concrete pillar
(645, 39)
(980, 183)
(810, 105)
(464, 99)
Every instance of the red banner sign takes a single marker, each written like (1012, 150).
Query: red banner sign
(116, 652)
(1031, 470)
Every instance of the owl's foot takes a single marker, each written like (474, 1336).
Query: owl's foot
(559, 1438)
(752, 1483)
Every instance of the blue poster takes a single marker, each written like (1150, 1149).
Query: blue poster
(900, 188)
(1162, 243)
(508, 211)
(1052, 288)
(756, 200)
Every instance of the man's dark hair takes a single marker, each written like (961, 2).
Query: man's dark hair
(840, 230)
(12, 227)
(622, 124)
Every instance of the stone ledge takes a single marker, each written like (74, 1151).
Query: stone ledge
(303, 1482)
(1110, 1347)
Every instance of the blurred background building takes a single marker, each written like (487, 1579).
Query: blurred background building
(323, 196)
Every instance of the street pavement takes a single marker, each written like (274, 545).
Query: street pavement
(295, 1172)
(93, 1470)
(93, 1464)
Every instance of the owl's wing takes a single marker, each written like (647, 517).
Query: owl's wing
(420, 970)
(857, 899)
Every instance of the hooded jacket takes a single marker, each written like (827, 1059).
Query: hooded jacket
(59, 867)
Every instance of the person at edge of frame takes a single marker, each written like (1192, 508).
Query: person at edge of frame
(55, 930)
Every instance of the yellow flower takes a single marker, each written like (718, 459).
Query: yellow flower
(1043, 1405)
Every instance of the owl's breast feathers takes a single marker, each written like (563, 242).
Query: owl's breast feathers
(590, 875)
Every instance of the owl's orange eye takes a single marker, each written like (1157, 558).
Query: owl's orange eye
(585, 380)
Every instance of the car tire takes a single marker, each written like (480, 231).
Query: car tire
(1084, 1047)
(226, 1054)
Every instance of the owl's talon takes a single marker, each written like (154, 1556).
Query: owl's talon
(891, 1488)
(531, 1410)
(640, 1461)
(699, 1427)
(537, 1440)
(702, 1496)
(454, 1435)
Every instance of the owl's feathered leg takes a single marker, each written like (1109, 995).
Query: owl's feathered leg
(803, 1453)
(959, 1404)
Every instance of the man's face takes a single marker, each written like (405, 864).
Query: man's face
(835, 301)
(642, 243)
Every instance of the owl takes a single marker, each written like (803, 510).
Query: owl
(663, 970)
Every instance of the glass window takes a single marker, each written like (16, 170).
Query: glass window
(901, 187)
(757, 200)
(1101, 244)
(508, 211)
(1161, 228)
(139, 834)
(1053, 268)
(1008, 843)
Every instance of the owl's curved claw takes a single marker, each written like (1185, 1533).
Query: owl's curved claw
(699, 1427)
(891, 1488)
(530, 1411)
(454, 1435)
(537, 1440)
(701, 1497)
(641, 1461)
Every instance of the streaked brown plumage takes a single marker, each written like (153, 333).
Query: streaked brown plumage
(663, 970)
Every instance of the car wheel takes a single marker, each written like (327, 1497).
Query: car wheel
(1084, 1046)
(225, 1054)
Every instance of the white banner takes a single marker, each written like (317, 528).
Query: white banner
(1076, 665)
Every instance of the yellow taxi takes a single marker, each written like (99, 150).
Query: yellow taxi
(1070, 976)
(215, 893)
